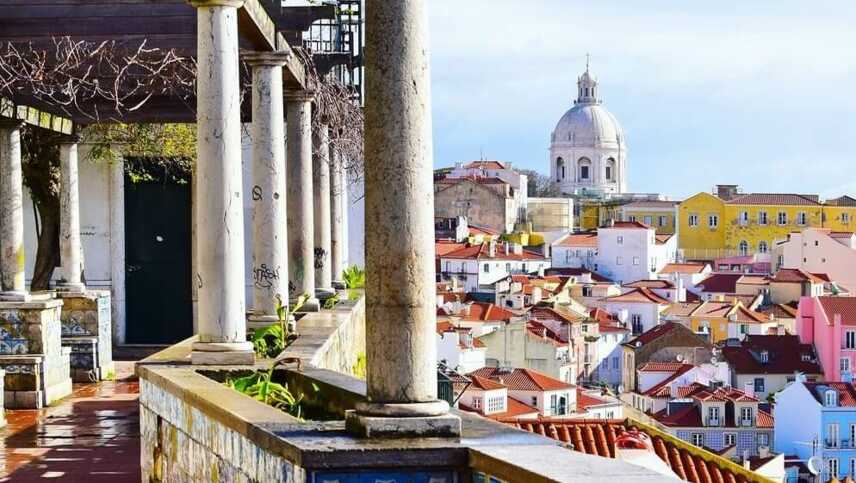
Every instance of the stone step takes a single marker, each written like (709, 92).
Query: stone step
(136, 352)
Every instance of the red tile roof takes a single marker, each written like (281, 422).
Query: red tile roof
(682, 309)
(796, 275)
(661, 366)
(513, 409)
(754, 280)
(481, 230)
(784, 355)
(843, 306)
(688, 268)
(655, 333)
(642, 295)
(775, 199)
(628, 224)
(846, 392)
(486, 165)
(471, 179)
(522, 379)
(842, 201)
(720, 282)
(484, 383)
(443, 247)
(587, 239)
(662, 284)
(483, 311)
(690, 417)
(662, 238)
(662, 389)
(588, 399)
(577, 272)
(482, 251)
(597, 437)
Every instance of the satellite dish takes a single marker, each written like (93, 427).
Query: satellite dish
(815, 465)
(680, 358)
(713, 360)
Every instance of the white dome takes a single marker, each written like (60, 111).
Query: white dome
(590, 125)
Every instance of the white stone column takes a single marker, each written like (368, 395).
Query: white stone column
(69, 215)
(400, 288)
(117, 247)
(270, 243)
(220, 271)
(338, 214)
(321, 219)
(301, 233)
(12, 260)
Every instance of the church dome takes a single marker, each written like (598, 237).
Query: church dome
(588, 124)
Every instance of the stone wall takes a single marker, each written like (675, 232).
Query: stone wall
(87, 330)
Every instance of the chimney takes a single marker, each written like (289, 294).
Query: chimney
(454, 284)
(541, 271)
(749, 388)
(518, 249)
(726, 191)
(763, 451)
(491, 248)
(506, 248)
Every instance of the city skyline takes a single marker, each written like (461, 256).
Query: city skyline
(724, 94)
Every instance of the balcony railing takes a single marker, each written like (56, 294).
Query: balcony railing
(839, 444)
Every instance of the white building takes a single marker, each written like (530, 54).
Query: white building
(458, 349)
(639, 309)
(629, 251)
(552, 397)
(478, 267)
(587, 149)
(817, 250)
(575, 250)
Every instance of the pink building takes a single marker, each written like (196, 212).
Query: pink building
(830, 324)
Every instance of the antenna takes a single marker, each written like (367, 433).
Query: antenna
(588, 61)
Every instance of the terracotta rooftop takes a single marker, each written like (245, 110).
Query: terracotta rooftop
(597, 437)
(444, 247)
(662, 238)
(485, 384)
(690, 417)
(481, 251)
(796, 275)
(661, 366)
(522, 379)
(662, 284)
(640, 295)
(688, 268)
(842, 201)
(720, 282)
(573, 240)
(843, 306)
(780, 311)
(577, 272)
(785, 355)
(484, 312)
(682, 309)
(627, 225)
(485, 165)
(659, 331)
(663, 388)
(775, 199)
(846, 392)
(587, 399)
(481, 230)
(754, 280)
(472, 179)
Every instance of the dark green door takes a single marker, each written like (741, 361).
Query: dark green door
(157, 261)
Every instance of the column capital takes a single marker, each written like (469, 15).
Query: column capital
(273, 59)
(304, 95)
(70, 139)
(216, 3)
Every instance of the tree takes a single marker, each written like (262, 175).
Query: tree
(540, 186)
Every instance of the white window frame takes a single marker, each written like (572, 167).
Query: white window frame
(782, 218)
(635, 260)
(732, 437)
(619, 240)
(830, 398)
(762, 217)
(697, 439)
(692, 220)
(648, 220)
(744, 218)
(844, 364)
(477, 402)
(713, 413)
(832, 438)
(713, 221)
(802, 218)
(662, 221)
(619, 260)
(832, 468)
(850, 339)
(845, 219)
(746, 414)
(763, 247)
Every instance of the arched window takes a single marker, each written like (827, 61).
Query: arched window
(762, 247)
(610, 169)
(584, 169)
(560, 169)
(743, 248)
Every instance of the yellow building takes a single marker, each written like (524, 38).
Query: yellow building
(730, 223)
(722, 320)
(657, 214)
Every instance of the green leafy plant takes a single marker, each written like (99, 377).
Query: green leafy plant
(331, 302)
(260, 387)
(273, 339)
(359, 368)
(354, 277)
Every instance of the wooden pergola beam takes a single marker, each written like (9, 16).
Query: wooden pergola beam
(35, 117)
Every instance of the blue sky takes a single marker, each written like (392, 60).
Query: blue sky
(759, 93)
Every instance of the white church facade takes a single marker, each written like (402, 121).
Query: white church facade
(588, 151)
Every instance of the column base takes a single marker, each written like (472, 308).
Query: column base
(418, 420)
(71, 290)
(222, 354)
(260, 321)
(324, 293)
(311, 305)
(13, 296)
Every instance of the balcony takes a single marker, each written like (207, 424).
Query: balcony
(713, 422)
(841, 444)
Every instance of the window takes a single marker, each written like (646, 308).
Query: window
(615, 362)
(759, 385)
(507, 267)
(762, 217)
(448, 267)
(648, 220)
(742, 328)
(763, 439)
(746, 415)
(782, 218)
(609, 172)
(635, 260)
(832, 435)
(697, 439)
(831, 398)
(743, 248)
(832, 468)
(845, 218)
(554, 404)
(477, 402)
(765, 357)
(619, 260)
(636, 323)
(713, 416)
(693, 220)
(661, 221)
(584, 172)
(850, 339)
(535, 401)
(762, 247)
(801, 218)
(713, 221)
(620, 240)
(730, 439)
(604, 364)
(486, 268)
(744, 217)
(844, 364)
(587, 292)
(631, 218)
(495, 404)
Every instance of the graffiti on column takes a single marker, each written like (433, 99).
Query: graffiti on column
(320, 258)
(257, 193)
(264, 276)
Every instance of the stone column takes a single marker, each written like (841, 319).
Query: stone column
(11, 213)
(270, 251)
(338, 212)
(218, 205)
(301, 233)
(321, 219)
(400, 301)
(69, 214)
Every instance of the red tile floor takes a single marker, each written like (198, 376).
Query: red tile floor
(91, 436)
